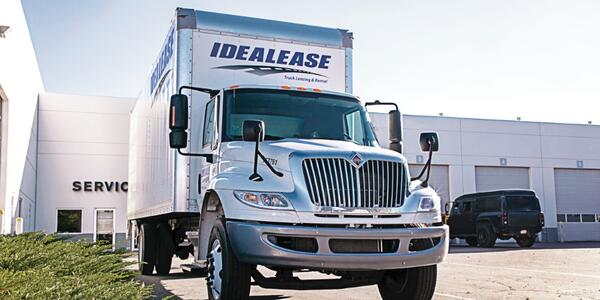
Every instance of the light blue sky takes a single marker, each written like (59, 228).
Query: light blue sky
(539, 60)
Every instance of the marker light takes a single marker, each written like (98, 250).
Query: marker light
(285, 87)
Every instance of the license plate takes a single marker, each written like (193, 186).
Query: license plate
(524, 231)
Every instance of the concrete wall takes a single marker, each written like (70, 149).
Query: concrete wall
(81, 138)
(467, 143)
(20, 83)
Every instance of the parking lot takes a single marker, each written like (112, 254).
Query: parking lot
(546, 271)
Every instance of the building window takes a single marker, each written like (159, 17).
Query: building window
(588, 218)
(68, 221)
(561, 218)
(573, 218)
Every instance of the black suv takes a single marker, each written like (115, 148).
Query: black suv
(480, 218)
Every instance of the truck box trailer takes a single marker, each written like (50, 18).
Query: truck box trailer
(247, 149)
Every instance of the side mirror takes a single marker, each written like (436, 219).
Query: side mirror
(429, 141)
(395, 133)
(253, 130)
(178, 121)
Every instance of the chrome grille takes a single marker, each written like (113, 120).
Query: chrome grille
(335, 182)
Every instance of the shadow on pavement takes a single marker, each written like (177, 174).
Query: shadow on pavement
(503, 247)
(158, 290)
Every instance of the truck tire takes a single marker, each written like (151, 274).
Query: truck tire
(486, 237)
(146, 248)
(415, 283)
(165, 248)
(227, 278)
(526, 241)
(471, 241)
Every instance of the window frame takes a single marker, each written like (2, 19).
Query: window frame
(80, 209)
(211, 142)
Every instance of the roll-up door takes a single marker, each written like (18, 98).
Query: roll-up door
(578, 204)
(498, 178)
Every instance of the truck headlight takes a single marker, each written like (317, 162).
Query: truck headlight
(427, 204)
(263, 200)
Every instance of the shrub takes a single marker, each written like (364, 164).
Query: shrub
(40, 266)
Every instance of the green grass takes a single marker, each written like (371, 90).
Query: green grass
(39, 266)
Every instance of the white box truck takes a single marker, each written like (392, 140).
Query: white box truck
(248, 150)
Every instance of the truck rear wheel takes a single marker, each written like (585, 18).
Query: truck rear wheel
(165, 248)
(146, 248)
(486, 237)
(526, 241)
(414, 283)
(227, 278)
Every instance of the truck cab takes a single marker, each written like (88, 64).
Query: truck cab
(295, 179)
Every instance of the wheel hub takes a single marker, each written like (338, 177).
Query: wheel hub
(215, 269)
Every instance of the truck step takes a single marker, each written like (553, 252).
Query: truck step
(194, 268)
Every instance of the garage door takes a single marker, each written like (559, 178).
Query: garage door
(498, 178)
(578, 204)
(438, 179)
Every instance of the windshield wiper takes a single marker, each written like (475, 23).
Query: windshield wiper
(273, 137)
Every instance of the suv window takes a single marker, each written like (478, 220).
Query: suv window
(488, 204)
(522, 203)
(466, 207)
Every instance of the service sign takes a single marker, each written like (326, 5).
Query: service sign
(221, 61)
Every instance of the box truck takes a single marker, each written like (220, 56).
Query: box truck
(248, 152)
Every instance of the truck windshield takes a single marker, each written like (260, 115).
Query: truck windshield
(522, 203)
(296, 114)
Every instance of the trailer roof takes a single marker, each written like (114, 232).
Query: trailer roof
(263, 28)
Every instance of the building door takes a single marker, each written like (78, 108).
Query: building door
(578, 204)
(438, 180)
(104, 229)
(499, 178)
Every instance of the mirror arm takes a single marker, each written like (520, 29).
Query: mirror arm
(264, 159)
(209, 157)
(426, 167)
(377, 102)
(255, 176)
(210, 92)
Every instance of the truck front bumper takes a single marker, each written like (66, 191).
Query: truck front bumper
(252, 245)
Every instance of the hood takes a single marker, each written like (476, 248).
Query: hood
(279, 152)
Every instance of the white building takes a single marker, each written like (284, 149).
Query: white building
(20, 83)
(560, 162)
(82, 157)
(63, 158)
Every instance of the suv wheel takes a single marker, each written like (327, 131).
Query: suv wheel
(486, 237)
(526, 241)
(227, 278)
(414, 283)
(472, 241)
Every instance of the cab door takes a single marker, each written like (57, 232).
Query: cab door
(210, 141)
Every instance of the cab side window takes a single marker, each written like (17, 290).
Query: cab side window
(209, 124)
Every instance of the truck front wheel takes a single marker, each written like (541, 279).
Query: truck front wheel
(227, 278)
(146, 248)
(415, 283)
